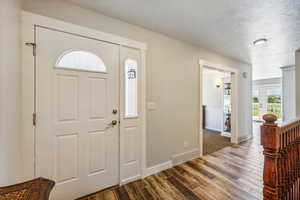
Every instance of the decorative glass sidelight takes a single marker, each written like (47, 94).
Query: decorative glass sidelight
(131, 88)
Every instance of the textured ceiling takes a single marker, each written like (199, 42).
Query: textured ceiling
(225, 26)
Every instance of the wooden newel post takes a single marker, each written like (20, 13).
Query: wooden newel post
(270, 140)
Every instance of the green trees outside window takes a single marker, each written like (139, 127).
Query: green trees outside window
(273, 102)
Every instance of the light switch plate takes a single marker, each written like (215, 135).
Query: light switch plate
(151, 106)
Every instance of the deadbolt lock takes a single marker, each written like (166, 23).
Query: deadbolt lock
(115, 111)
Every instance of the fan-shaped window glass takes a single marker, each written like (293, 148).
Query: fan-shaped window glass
(81, 60)
(131, 88)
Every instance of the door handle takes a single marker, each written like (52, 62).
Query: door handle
(112, 123)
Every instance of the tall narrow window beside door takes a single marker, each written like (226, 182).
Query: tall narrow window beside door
(131, 88)
(81, 60)
(255, 104)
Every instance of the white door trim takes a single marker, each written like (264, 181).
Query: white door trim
(234, 116)
(29, 22)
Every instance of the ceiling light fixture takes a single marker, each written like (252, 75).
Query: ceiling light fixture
(260, 41)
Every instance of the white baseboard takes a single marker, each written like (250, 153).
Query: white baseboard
(226, 134)
(184, 157)
(176, 160)
(158, 168)
(131, 179)
(213, 129)
(244, 138)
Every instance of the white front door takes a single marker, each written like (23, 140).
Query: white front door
(77, 99)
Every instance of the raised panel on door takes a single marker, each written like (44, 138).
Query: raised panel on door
(131, 161)
(131, 118)
(98, 152)
(131, 138)
(98, 104)
(66, 158)
(67, 97)
(76, 90)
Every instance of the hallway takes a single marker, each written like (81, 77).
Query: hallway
(233, 173)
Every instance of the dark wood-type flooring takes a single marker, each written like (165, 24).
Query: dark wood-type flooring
(233, 173)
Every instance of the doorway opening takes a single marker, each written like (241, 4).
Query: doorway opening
(224, 84)
(217, 107)
(266, 98)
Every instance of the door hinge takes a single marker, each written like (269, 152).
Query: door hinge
(34, 119)
(33, 45)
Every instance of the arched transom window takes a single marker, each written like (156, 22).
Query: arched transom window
(81, 60)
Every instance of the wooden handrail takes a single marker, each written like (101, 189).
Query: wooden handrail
(38, 189)
(282, 159)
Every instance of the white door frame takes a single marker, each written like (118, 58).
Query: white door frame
(29, 22)
(234, 100)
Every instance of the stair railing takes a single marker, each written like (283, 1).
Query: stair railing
(281, 174)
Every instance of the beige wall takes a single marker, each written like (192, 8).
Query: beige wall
(10, 155)
(172, 79)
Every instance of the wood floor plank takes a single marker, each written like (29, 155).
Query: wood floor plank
(145, 190)
(245, 176)
(122, 193)
(163, 189)
(224, 185)
(109, 195)
(188, 194)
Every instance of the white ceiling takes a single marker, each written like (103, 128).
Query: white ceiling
(225, 26)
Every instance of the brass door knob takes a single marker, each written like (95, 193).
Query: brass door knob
(114, 122)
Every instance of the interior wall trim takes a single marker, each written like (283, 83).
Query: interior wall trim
(234, 101)
(245, 138)
(176, 159)
(184, 157)
(131, 179)
(158, 168)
